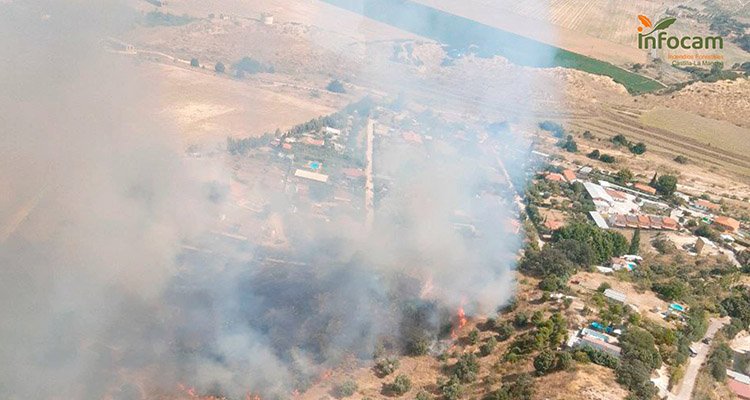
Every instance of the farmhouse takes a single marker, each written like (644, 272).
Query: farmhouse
(705, 205)
(727, 224)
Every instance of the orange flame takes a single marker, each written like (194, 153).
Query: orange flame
(460, 322)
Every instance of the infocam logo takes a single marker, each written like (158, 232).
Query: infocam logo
(658, 37)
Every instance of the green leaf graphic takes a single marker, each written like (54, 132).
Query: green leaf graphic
(664, 23)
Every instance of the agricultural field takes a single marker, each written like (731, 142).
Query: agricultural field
(601, 30)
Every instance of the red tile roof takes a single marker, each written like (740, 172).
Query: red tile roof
(742, 390)
(669, 223)
(707, 204)
(728, 223)
(644, 188)
(554, 177)
(569, 175)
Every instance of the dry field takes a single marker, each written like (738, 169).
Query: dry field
(602, 30)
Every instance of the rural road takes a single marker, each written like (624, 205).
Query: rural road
(369, 186)
(685, 389)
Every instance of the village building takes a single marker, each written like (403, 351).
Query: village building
(570, 176)
(706, 206)
(727, 224)
(644, 188)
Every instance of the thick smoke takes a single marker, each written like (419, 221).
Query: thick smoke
(103, 292)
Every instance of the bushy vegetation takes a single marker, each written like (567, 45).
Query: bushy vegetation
(553, 127)
(345, 389)
(400, 385)
(719, 360)
(158, 18)
(336, 86)
(386, 366)
(635, 148)
(251, 66)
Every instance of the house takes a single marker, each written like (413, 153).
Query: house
(412, 137)
(644, 188)
(632, 221)
(700, 244)
(570, 176)
(615, 295)
(617, 195)
(332, 131)
(669, 224)
(644, 222)
(657, 222)
(602, 200)
(598, 219)
(618, 220)
(727, 224)
(705, 205)
(301, 173)
(353, 173)
(599, 345)
(740, 389)
(585, 171)
(619, 263)
(554, 177)
(313, 142)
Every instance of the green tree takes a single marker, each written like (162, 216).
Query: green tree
(638, 148)
(635, 242)
(564, 361)
(544, 362)
(594, 154)
(625, 176)
(719, 361)
(639, 344)
(666, 185)
(336, 86)
(219, 67)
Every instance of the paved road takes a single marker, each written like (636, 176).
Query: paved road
(685, 390)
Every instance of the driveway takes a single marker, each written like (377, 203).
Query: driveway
(685, 389)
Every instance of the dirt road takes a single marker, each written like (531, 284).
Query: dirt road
(685, 389)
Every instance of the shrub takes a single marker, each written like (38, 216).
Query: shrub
(336, 86)
(386, 366)
(219, 67)
(400, 385)
(345, 389)
(486, 348)
(194, 62)
(451, 389)
(474, 336)
(466, 368)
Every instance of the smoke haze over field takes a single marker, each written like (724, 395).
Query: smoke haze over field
(96, 201)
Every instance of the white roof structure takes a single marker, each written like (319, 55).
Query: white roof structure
(738, 376)
(615, 295)
(301, 173)
(604, 270)
(598, 219)
(597, 192)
